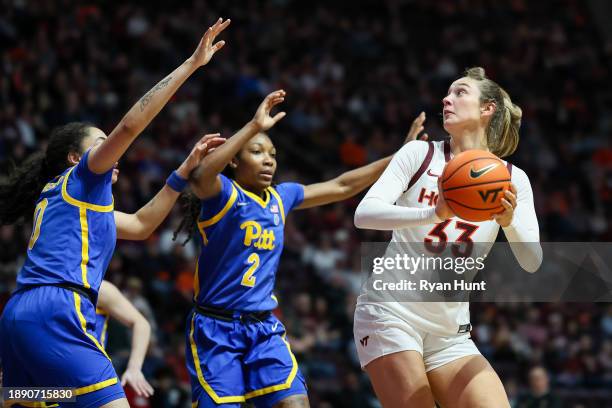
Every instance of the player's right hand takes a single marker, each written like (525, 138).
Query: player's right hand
(206, 49)
(205, 145)
(262, 118)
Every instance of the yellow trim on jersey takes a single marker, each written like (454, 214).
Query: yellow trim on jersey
(273, 296)
(278, 387)
(255, 197)
(196, 281)
(217, 217)
(103, 334)
(196, 360)
(280, 203)
(194, 404)
(82, 204)
(96, 386)
(77, 305)
(84, 245)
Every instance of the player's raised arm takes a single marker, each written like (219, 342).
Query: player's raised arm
(205, 182)
(103, 157)
(352, 182)
(140, 225)
(118, 307)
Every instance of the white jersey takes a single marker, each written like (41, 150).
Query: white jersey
(404, 199)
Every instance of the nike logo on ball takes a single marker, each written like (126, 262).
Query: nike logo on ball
(483, 171)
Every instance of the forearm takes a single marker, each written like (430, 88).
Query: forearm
(215, 162)
(525, 246)
(375, 213)
(156, 210)
(140, 343)
(138, 117)
(143, 111)
(355, 181)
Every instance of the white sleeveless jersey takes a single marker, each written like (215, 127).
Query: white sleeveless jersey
(417, 167)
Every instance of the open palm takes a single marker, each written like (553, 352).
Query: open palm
(262, 117)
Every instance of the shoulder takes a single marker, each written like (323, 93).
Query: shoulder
(415, 148)
(517, 175)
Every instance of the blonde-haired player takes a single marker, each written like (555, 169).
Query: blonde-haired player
(416, 353)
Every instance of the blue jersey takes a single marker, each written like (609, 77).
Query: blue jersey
(101, 326)
(242, 241)
(74, 233)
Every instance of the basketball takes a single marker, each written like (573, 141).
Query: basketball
(473, 184)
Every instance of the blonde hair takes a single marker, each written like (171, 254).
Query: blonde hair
(503, 129)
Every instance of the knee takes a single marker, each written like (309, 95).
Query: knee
(294, 401)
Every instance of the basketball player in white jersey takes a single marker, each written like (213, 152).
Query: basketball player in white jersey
(418, 352)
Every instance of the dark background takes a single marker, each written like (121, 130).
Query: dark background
(356, 74)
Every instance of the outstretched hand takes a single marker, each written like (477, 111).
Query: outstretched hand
(205, 145)
(206, 49)
(262, 118)
(137, 381)
(416, 128)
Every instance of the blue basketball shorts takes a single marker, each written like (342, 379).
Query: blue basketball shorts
(47, 340)
(231, 362)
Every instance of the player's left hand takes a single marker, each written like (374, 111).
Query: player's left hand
(137, 381)
(415, 129)
(509, 202)
(205, 145)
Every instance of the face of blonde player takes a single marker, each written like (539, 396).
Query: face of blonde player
(95, 138)
(255, 165)
(462, 108)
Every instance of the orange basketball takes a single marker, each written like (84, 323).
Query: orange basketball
(473, 184)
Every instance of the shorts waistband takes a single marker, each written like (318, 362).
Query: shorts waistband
(230, 315)
(88, 293)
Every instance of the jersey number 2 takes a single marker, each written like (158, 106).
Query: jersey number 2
(248, 279)
(39, 211)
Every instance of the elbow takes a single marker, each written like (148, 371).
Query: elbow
(535, 262)
(360, 218)
(145, 234)
(128, 126)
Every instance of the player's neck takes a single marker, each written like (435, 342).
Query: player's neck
(468, 139)
(251, 189)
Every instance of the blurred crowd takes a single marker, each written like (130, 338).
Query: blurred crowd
(356, 74)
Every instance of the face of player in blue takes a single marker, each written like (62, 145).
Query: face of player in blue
(255, 164)
(95, 137)
(462, 110)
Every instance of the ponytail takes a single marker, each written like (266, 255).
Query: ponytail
(190, 205)
(503, 130)
(20, 190)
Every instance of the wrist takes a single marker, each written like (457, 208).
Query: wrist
(183, 172)
(253, 126)
(191, 64)
(176, 182)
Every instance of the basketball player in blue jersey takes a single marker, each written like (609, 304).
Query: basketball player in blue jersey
(46, 329)
(113, 304)
(236, 349)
